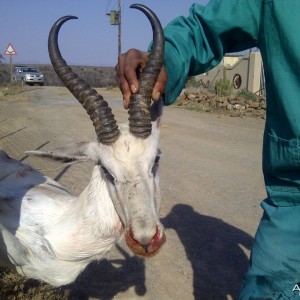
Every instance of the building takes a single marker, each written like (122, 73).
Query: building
(244, 72)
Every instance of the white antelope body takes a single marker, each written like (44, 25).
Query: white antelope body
(49, 234)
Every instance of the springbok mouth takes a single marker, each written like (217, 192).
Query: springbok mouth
(145, 250)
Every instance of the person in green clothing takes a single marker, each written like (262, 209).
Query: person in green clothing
(196, 44)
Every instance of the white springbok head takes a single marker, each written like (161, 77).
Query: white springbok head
(126, 157)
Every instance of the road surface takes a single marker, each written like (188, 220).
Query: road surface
(211, 184)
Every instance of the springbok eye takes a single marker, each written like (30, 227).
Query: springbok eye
(157, 158)
(107, 175)
(156, 164)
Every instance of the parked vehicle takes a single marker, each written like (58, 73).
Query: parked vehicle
(28, 75)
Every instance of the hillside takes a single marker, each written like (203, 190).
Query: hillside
(95, 76)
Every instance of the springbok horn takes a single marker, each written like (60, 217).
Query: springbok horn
(97, 108)
(139, 107)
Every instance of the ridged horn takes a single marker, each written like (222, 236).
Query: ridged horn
(97, 108)
(139, 107)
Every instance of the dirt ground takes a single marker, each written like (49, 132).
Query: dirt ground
(211, 183)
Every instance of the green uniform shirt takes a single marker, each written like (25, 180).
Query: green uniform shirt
(197, 43)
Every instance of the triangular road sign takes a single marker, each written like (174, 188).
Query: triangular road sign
(10, 50)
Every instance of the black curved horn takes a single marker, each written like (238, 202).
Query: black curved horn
(139, 107)
(97, 108)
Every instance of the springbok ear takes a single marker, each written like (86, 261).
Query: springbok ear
(157, 111)
(17, 252)
(82, 151)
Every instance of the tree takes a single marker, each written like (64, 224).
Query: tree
(1, 59)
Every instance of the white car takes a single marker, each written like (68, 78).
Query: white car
(28, 75)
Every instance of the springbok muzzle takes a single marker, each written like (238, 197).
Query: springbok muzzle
(145, 249)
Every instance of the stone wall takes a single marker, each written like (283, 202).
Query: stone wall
(233, 105)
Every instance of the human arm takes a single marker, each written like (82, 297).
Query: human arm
(197, 43)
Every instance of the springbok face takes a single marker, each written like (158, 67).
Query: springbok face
(127, 156)
(130, 169)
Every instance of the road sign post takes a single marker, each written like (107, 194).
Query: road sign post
(10, 51)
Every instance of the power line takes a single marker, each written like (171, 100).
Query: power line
(110, 6)
(107, 6)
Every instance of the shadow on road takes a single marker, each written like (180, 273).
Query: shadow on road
(213, 248)
(100, 280)
(107, 278)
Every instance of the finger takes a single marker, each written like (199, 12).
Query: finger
(126, 99)
(121, 81)
(130, 75)
(119, 70)
(160, 85)
(126, 92)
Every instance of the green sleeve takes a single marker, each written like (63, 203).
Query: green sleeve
(197, 43)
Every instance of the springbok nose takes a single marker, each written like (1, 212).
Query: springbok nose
(145, 249)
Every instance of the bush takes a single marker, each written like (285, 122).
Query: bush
(4, 74)
(223, 86)
(193, 83)
(246, 94)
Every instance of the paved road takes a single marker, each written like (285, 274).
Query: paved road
(211, 185)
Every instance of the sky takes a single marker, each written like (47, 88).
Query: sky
(90, 40)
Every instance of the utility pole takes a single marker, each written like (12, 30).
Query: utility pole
(119, 27)
(115, 19)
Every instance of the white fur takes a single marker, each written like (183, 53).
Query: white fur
(49, 234)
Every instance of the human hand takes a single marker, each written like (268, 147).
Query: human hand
(130, 64)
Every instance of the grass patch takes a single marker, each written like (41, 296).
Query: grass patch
(11, 90)
(16, 287)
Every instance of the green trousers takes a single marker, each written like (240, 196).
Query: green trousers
(275, 259)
